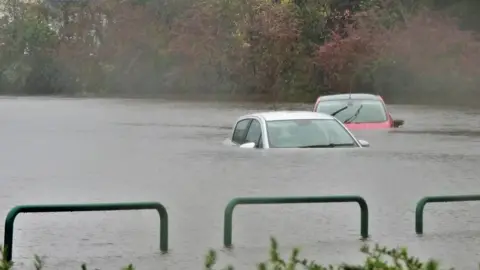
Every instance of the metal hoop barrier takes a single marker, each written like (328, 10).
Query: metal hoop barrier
(12, 214)
(227, 227)
(436, 199)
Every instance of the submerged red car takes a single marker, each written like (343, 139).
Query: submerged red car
(358, 111)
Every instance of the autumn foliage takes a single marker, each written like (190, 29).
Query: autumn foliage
(423, 53)
(248, 50)
(273, 50)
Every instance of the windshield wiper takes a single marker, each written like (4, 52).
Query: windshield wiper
(331, 145)
(354, 116)
(339, 110)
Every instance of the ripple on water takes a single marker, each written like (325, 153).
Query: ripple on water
(87, 150)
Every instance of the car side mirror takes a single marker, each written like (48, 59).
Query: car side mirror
(248, 145)
(364, 143)
(398, 122)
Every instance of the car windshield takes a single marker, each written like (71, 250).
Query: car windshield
(308, 133)
(371, 111)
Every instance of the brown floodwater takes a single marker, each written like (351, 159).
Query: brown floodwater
(112, 150)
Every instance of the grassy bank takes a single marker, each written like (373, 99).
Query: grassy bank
(376, 258)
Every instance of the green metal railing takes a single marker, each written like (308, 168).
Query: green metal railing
(436, 199)
(227, 229)
(12, 214)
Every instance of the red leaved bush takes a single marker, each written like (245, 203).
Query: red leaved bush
(427, 45)
(341, 59)
(431, 42)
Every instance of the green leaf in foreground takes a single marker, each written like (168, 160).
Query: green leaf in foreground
(377, 258)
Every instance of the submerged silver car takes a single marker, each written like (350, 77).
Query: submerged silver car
(292, 129)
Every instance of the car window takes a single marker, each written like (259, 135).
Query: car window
(304, 133)
(254, 132)
(240, 131)
(371, 111)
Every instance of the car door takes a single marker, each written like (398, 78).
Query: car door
(254, 133)
(240, 131)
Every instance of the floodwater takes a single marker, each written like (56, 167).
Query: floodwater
(97, 150)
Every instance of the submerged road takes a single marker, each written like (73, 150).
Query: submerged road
(97, 150)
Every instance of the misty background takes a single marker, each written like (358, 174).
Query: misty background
(423, 51)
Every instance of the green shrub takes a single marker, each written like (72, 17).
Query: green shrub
(377, 258)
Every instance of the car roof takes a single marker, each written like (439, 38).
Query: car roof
(350, 96)
(290, 115)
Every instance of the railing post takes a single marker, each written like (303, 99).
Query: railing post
(363, 217)
(8, 238)
(13, 213)
(435, 199)
(228, 215)
(227, 222)
(163, 215)
(419, 215)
